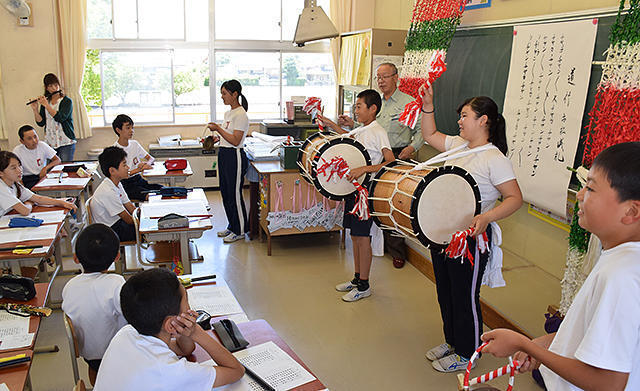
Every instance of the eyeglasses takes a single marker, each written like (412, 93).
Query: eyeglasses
(384, 77)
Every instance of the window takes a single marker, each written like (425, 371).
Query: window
(151, 59)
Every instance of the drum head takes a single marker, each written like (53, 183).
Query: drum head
(445, 202)
(302, 155)
(354, 153)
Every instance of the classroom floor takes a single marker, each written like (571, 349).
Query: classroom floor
(374, 344)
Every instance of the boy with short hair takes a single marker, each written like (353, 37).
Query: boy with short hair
(138, 159)
(92, 299)
(34, 155)
(597, 346)
(145, 354)
(110, 204)
(375, 140)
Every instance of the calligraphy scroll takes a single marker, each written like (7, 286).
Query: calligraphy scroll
(543, 107)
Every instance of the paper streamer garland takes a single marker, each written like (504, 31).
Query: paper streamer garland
(432, 27)
(614, 118)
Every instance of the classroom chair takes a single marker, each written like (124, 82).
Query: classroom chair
(74, 350)
(121, 266)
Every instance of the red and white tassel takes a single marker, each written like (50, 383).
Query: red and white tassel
(437, 66)
(338, 166)
(459, 246)
(313, 106)
(361, 208)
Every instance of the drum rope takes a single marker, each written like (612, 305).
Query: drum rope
(509, 369)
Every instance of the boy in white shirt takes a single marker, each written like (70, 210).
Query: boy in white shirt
(34, 155)
(597, 346)
(149, 353)
(138, 159)
(375, 140)
(109, 204)
(92, 299)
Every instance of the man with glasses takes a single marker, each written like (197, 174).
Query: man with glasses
(405, 141)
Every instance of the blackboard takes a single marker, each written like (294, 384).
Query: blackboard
(478, 64)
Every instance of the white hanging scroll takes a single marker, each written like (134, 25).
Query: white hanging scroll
(543, 106)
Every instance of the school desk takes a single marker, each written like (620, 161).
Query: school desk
(159, 174)
(257, 332)
(48, 247)
(17, 376)
(272, 173)
(81, 188)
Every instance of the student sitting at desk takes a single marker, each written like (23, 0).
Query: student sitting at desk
(13, 195)
(146, 353)
(138, 159)
(34, 154)
(110, 204)
(92, 299)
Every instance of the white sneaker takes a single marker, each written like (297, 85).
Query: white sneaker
(222, 234)
(346, 286)
(232, 238)
(451, 363)
(439, 351)
(355, 295)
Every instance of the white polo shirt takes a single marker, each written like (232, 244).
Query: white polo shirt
(140, 362)
(235, 119)
(374, 138)
(92, 301)
(108, 202)
(9, 197)
(489, 168)
(135, 153)
(34, 160)
(602, 326)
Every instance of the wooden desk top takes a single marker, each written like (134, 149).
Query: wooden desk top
(257, 332)
(34, 321)
(15, 377)
(271, 167)
(6, 255)
(159, 171)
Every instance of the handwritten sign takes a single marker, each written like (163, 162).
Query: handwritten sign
(544, 102)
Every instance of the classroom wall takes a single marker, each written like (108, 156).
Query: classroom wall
(26, 55)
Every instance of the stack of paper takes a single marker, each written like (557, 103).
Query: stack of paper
(42, 232)
(55, 216)
(182, 207)
(216, 299)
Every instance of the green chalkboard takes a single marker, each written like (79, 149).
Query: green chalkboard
(478, 64)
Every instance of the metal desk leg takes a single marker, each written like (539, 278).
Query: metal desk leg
(184, 253)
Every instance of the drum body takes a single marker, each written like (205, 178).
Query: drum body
(307, 152)
(353, 152)
(428, 205)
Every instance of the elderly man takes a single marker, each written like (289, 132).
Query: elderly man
(404, 140)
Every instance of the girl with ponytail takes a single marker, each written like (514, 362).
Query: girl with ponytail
(232, 160)
(482, 128)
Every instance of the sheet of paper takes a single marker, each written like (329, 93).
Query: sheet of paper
(181, 207)
(3, 387)
(12, 325)
(273, 365)
(10, 235)
(55, 216)
(215, 299)
(64, 182)
(16, 341)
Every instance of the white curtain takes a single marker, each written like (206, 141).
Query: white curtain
(3, 124)
(341, 16)
(73, 40)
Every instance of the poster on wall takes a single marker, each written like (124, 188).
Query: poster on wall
(544, 102)
(474, 4)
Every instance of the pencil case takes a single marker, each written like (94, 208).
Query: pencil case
(19, 288)
(21, 222)
(230, 335)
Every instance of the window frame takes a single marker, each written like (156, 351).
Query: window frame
(213, 46)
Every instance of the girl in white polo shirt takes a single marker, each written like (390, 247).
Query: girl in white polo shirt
(232, 161)
(13, 195)
(458, 284)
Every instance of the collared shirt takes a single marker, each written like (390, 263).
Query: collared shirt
(399, 135)
(374, 139)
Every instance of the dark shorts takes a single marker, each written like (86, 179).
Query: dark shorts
(93, 364)
(358, 227)
(126, 232)
(30, 180)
